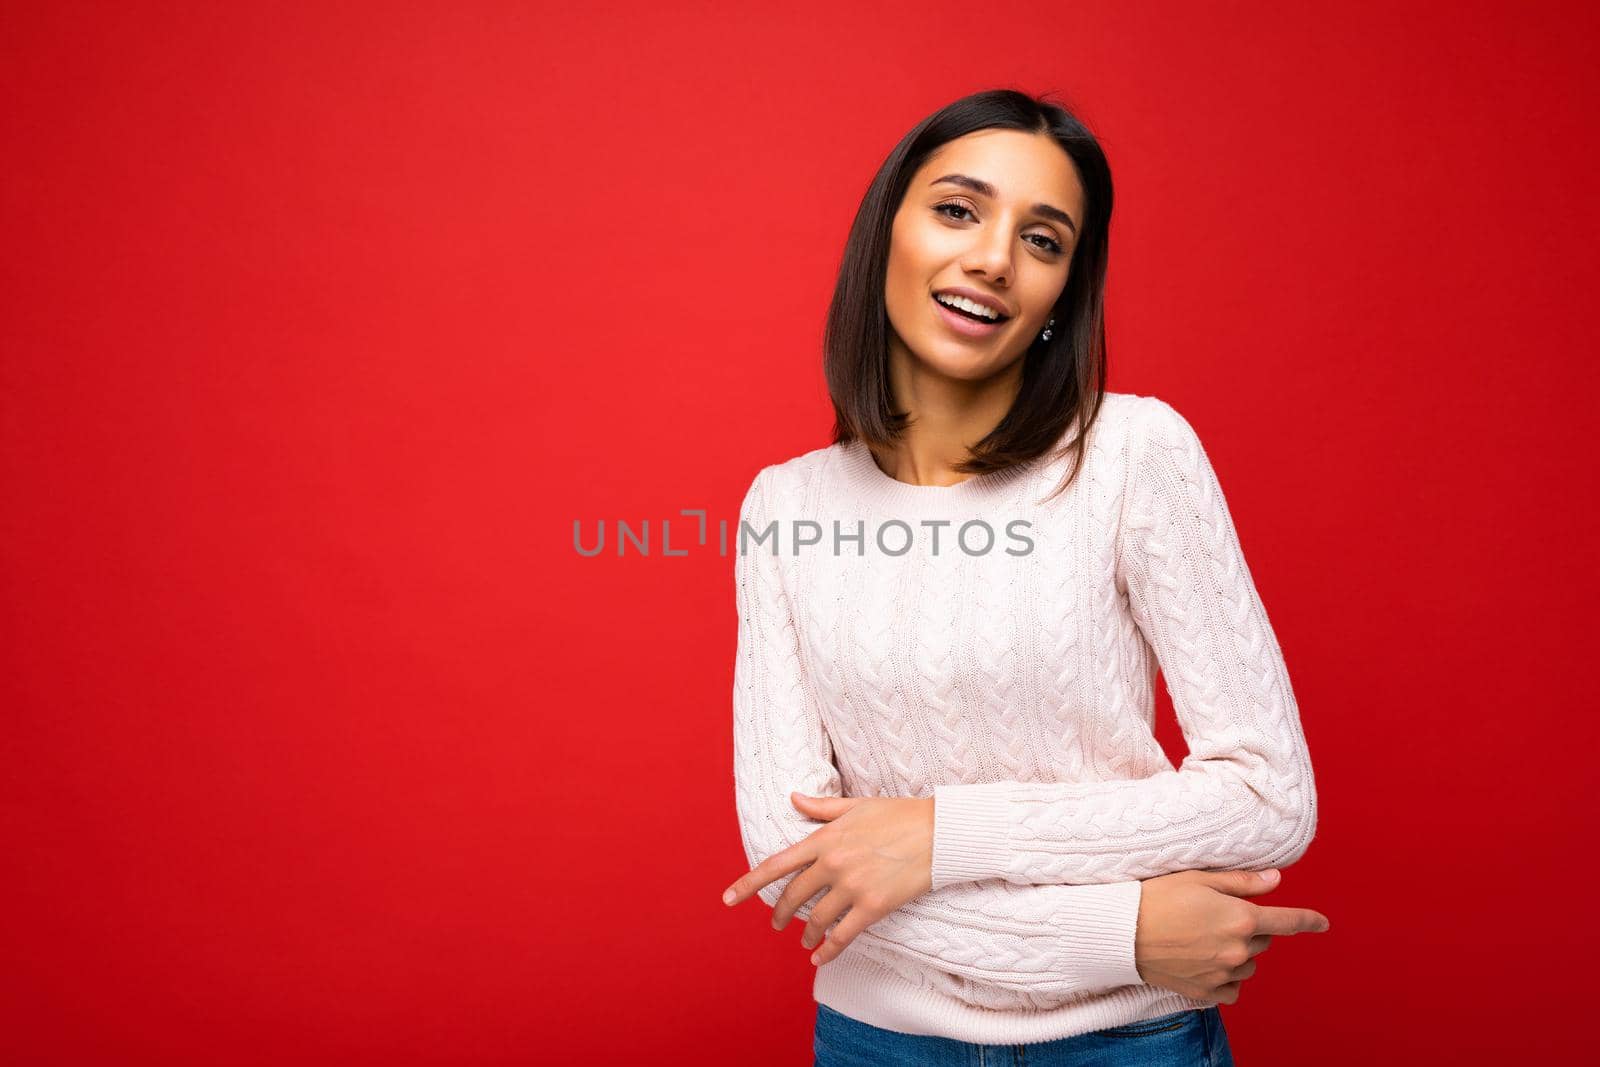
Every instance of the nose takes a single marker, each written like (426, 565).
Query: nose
(990, 254)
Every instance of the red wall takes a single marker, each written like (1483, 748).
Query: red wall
(320, 328)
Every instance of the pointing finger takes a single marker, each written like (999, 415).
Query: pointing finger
(1286, 921)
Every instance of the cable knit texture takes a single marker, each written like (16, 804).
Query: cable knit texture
(997, 651)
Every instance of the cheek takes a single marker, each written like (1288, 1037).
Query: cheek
(901, 265)
(925, 244)
(1044, 293)
(910, 276)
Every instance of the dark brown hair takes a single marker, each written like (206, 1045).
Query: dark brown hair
(1062, 379)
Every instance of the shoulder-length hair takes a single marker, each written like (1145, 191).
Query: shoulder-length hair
(1063, 379)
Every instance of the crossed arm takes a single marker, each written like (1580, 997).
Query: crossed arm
(1034, 887)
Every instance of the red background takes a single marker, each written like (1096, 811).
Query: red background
(323, 745)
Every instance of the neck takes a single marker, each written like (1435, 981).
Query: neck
(947, 416)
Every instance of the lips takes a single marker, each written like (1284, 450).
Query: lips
(993, 303)
(964, 313)
(963, 324)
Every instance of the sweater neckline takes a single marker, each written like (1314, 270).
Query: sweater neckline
(975, 492)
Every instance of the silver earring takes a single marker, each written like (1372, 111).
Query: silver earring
(1046, 335)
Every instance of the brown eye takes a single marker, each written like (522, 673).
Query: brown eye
(949, 209)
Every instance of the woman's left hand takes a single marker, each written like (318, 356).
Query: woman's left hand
(874, 854)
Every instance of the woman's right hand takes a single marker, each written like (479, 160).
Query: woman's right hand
(1197, 937)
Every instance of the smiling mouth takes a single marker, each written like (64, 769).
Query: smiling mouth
(997, 320)
(961, 324)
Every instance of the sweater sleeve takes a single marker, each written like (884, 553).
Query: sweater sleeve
(989, 942)
(1244, 797)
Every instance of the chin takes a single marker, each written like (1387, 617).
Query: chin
(973, 367)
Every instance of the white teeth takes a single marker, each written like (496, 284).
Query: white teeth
(967, 305)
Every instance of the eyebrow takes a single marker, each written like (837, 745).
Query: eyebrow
(983, 188)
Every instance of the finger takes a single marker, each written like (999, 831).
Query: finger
(823, 809)
(801, 888)
(770, 870)
(1258, 944)
(824, 913)
(1290, 921)
(1243, 883)
(855, 920)
(1228, 993)
(1243, 971)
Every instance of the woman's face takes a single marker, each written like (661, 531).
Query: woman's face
(997, 213)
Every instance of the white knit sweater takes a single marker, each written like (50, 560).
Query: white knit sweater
(1015, 686)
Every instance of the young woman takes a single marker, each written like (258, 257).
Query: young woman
(950, 621)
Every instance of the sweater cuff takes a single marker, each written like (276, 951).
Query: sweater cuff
(971, 833)
(1100, 932)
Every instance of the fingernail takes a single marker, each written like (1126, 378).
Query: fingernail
(727, 896)
(1270, 875)
(816, 957)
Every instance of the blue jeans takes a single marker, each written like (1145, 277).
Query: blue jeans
(1190, 1038)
